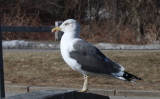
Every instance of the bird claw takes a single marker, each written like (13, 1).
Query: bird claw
(84, 90)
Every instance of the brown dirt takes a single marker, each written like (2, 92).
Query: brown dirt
(49, 69)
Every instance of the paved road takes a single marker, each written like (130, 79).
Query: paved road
(12, 90)
(110, 97)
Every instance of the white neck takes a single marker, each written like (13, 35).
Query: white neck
(70, 35)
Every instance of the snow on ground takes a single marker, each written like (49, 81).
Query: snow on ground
(127, 47)
(16, 44)
(21, 44)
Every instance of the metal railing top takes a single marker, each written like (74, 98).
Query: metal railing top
(26, 28)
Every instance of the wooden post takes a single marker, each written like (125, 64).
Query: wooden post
(2, 90)
(58, 34)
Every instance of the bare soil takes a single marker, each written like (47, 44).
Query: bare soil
(49, 69)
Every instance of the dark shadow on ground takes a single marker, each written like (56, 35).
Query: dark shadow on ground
(58, 94)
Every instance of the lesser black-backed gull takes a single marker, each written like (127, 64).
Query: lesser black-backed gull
(86, 58)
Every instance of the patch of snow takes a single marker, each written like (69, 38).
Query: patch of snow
(127, 47)
(21, 44)
(16, 44)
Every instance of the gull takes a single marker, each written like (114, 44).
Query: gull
(85, 58)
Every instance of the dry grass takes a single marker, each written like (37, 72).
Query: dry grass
(49, 69)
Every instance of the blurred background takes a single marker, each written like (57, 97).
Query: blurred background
(112, 21)
(109, 24)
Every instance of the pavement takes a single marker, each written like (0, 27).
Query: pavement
(71, 94)
(128, 97)
(12, 90)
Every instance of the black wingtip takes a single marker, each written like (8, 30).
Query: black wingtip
(130, 77)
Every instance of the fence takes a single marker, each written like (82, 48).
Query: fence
(31, 29)
(21, 29)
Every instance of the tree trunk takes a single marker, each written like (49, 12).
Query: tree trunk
(138, 18)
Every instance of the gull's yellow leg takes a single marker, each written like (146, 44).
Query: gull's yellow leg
(85, 88)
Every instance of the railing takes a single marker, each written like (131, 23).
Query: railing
(21, 29)
(30, 29)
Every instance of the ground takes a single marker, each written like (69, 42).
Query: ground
(49, 69)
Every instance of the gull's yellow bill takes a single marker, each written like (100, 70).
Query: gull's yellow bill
(56, 29)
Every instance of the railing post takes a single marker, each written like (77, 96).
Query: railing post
(58, 34)
(2, 90)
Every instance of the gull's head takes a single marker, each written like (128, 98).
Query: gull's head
(69, 25)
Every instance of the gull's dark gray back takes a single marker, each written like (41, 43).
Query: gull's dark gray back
(92, 59)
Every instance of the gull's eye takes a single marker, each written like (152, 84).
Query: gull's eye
(66, 24)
